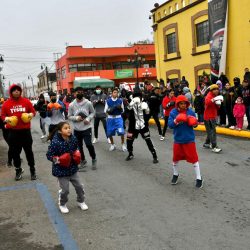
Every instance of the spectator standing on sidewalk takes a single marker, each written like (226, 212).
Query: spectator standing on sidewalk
(154, 103)
(247, 75)
(199, 106)
(98, 100)
(230, 99)
(81, 112)
(239, 112)
(212, 104)
(168, 104)
(246, 100)
(41, 107)
(17, 113)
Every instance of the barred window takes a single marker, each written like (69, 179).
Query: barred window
(171, 43)
(202, 33)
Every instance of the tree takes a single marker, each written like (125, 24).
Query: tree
(146, 41)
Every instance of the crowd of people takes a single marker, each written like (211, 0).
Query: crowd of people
(122, 112)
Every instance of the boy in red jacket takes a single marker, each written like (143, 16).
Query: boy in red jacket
(17, 113)
(212, 103)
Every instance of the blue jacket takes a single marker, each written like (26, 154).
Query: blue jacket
(58, 147)
(182, 133)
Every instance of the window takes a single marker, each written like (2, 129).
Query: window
(58, 74)
(159, 16)
(171, 43)
(126, 65)
(99, 66)
(72, 67)
(116, 65)
(150, 64)
(176, 6)
(108, 66)
(165, 12)
(63, 72)
(183, 3)
(202, 33)
(170, 10)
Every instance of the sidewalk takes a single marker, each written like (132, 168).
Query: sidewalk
(219, 130)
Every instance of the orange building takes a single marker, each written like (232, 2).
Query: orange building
(116, 64)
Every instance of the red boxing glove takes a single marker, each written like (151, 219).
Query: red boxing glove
(192, 121)
(64, 160)
(77, 157)
(181, 118)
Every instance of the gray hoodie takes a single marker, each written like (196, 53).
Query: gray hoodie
(85, 107)
(99, 104)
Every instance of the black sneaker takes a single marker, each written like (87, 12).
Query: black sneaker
(129, 157)
(94, 161)
(199, 183)
(19, 172)
(155, 160)
(33, 176)
(206, 145)
(174, 180)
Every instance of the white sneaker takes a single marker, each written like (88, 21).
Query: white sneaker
(162, 138)
(112, 147)
(124, 147)
(63, 209)
(83, 206)
(109, 142)
(43, 136)
(232, 127)
(95, 140)
(216, 150)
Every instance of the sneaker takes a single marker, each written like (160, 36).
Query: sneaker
(199, 183)
(95, 140)
(63, 209)
(155, 160)
(162, 138)
(216, 150)
(232, 127)
(19, 172)
(174, 180)
(108, 140)
(129, 157)
(124, 147)
(83, 206)
(112, 147)
(43, 136)
(94, 161)
(33, 176)
(82, 166)
(206, 145)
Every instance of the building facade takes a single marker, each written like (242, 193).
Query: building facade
(46, 82)
(181, 34)
(115, 64)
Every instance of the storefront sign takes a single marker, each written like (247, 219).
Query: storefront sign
(124, 73)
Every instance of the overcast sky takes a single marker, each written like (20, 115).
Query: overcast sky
(31, 31)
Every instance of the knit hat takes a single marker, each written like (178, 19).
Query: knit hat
(213, 86)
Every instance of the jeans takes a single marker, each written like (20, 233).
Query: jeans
(42, 125)
(86, 136)
(96, 125)
(211, 132)
(165, 125)
(200, 117)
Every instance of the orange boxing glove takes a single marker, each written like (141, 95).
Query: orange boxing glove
(57, 106)
(50, 106)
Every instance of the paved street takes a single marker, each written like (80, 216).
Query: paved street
(132, 204)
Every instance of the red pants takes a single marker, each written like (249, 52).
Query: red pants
(185, 152)
(239, 122)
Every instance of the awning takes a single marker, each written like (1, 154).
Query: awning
(92, 83)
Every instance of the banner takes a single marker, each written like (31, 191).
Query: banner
(124, 73)
(217, 16)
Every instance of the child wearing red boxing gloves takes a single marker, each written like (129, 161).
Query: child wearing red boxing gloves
(65, 157)
(182, 120)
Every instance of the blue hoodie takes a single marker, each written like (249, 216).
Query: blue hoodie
(182, 133)
(58, 147)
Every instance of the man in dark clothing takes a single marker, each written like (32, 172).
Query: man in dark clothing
(223, 78)
(247, 75)
(246, 100)
(184, 83)
(98, 100)
(237, 88)
(154, 102)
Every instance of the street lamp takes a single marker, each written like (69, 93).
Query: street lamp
(136, 61)
(31, 78)
(1, 67)
(43, 66)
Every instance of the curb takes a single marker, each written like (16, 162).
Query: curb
(219, 130)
